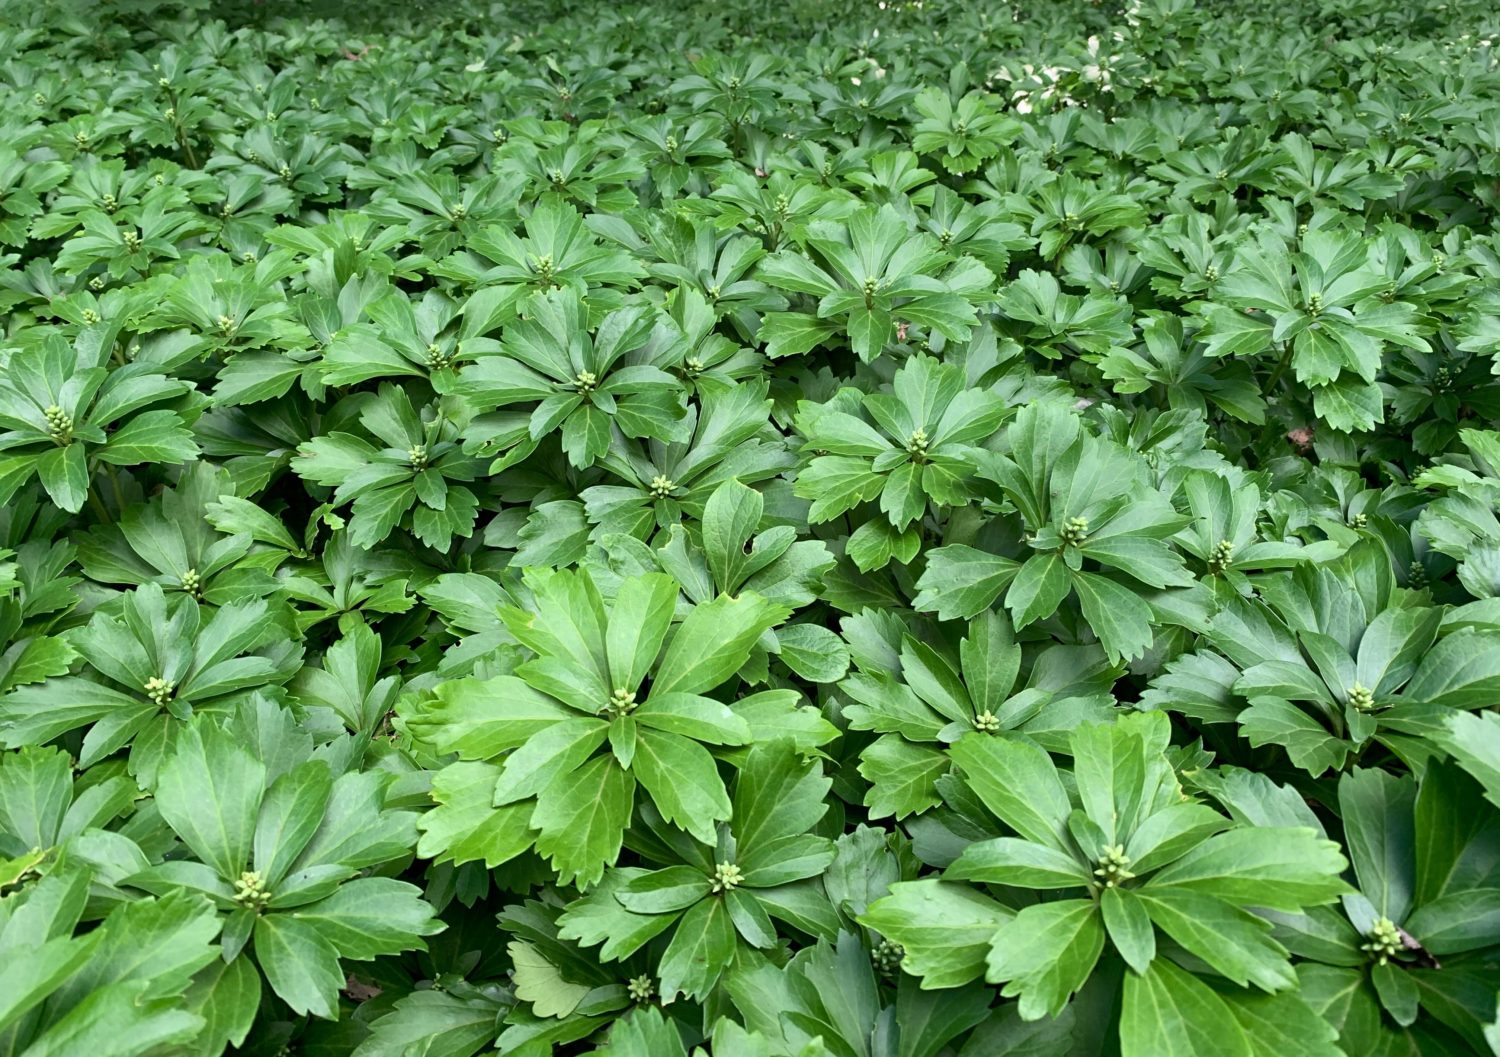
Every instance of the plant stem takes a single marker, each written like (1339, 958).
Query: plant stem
(1281, 366)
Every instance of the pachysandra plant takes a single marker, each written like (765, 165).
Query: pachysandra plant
(148, 670)
(279, 852)
(721, 530)
(1141, 871)
(67, 416)
(614, 701)
(875, 274)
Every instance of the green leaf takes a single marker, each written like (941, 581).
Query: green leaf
(1397, 992)
(1284, 1025)
(713, 643)
(1128, 925)
(64, 474)
(1046, 953)
(1020, 863)
(812, 652)
(1018, 782)
(1272, 721)
(119, 1021)
(1273, 867)
(1379, 833)
(556, 750)
(464, 827)
(290, 814)
(902, 776)
(371, 916)
(638, 624)
(1232, 941)
(944, 928)
(1119, 616)
(300, 963)
(876, 543)
(540, 983)
(581, 819)
(209, 791)
(1461, 670)
(1038, 589)
(960, 582)
(682, 781)
(1167, 1011)
(700, 950)
(663, 891)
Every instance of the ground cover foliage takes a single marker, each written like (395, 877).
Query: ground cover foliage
(753, 530)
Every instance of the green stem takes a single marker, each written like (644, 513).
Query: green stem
(1281, 366)
(98, 508)
(114, 484)
(187, 148)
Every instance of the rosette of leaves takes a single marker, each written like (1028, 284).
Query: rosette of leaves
(1171, 362)
(149, 669)
(730, 439)
(125, 986)
(22, 183)
(239, 313)
(146, 237)
(439, 213)
(1336, 659)
(402, 340)
(65, 412)
(962, 130)
(869, 273)
(345, 583)
(729, 555)
(1203, 172)
(577, 167)
(717, 266)
(1316, 177)
(708, 359)
(37, 593)
(584, 384)
(558, 251)
(1318, 306)
(613, 700)
(1060, 210)
(170, 541)
(831, 998)
(1407, 962)
(854, 104)
(929, 699)
(721, 897)
(1055, 324)
(1186, 255)
(279, 844)
(415, 481)
(739, 88)
(1143, 876)
(92, 184)
(777, 209)
(677, 154)
(1228, 507)
(304, 162)
(979, 231)
(1080, 497)
(920, 451)
(349, 684)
